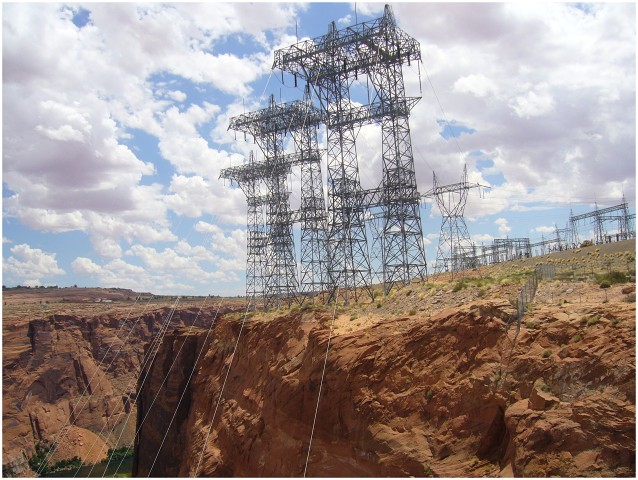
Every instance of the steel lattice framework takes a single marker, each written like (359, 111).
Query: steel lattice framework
(249, 177)
(275, 278)
(599, 217)
(267, 127)
(312, 212)
(330, 64)
(455, 252)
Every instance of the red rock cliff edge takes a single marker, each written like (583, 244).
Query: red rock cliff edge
(454, 394)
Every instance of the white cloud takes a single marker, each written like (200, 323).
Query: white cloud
(70, 95)
(85, 266)
(533, 104)
(544, 229)
(503, 227)
(549, 90)
(29, 266)
(476, 84)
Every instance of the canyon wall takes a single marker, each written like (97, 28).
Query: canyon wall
(457, 393)
(77, 374)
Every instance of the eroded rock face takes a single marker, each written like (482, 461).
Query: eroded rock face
(79, 374)
(454, 394)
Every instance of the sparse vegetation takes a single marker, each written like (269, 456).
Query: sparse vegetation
(427, 471)
(577, 338)
(593, 320)
(611, 278)
(547, 353)
(428, 394)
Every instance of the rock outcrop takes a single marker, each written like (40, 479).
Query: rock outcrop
(77, 374)
(457, 393)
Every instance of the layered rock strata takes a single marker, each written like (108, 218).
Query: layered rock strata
(457, 393)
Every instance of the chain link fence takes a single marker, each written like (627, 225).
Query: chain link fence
(526, 295)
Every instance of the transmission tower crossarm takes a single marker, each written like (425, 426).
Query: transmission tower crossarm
(455, 187)
(597, 212)
(381, 39)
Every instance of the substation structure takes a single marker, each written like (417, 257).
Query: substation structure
(600, 218)
(335, 252)
(455, 252)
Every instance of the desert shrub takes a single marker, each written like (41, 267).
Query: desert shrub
(428, 472)
(612, 278)
(378, 304)
(412, 312)
(38, 462)
(460, 285)
(119, 453)
(631, 298)
(593, 320)
(577, 338)
(605, 284)
(530, 325)
(547, 353)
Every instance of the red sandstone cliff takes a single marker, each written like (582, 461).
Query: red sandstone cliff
(51, 366)
(451, 394)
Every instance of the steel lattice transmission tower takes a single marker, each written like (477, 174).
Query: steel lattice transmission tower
(455, 248)
(277, 274)
(249, 177)
(312, 212)
(267, 127)
(599, 217)
(330, 64)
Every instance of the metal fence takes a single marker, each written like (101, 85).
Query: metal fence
(526, 295)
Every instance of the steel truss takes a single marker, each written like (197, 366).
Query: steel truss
(278, 274)
(249, 177)
(599, 217)
(455, 252)
(330, 64)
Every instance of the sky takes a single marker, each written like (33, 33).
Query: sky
(115, 127)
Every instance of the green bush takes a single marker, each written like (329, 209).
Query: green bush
(413, 312)
(38, 462)
(119, 453)
(547, 353)
(612, 278)
(593, 320)
(605, 284)
(577, 338)
(460, 285)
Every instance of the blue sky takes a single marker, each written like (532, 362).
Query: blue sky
(115, 124)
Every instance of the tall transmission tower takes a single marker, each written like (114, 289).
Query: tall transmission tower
(312, 212)
(455, 252)
(249, 177)
(330, 64)
(267, 127)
